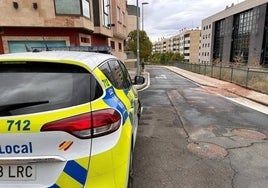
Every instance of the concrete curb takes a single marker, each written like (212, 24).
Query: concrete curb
(146, 75)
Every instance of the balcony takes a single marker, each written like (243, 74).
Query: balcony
(45, 14)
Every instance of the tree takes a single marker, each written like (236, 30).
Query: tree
(166, 58)
(177, 57)
(145, 44)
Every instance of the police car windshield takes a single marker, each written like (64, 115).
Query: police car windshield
(29, 83)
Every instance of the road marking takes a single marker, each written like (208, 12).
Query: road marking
(162, 76)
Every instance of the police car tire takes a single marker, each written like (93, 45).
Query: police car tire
(139, 109)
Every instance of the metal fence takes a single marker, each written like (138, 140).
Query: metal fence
(252, 78)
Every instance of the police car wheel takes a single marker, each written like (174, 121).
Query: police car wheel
(139, 110)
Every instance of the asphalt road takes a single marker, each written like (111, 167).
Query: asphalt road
(192, 137)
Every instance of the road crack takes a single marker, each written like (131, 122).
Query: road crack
(234, 172)
(174, 97)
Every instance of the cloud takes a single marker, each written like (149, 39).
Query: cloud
(164, 18)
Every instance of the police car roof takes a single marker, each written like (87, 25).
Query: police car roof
(91, 59)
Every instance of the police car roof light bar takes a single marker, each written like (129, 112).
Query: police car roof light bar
(98, 49)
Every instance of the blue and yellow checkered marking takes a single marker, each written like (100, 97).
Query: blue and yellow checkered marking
(75, 173)
(112, 100)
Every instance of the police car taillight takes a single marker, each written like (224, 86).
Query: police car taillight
(88, 125)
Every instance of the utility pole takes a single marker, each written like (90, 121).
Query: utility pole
(138, 39)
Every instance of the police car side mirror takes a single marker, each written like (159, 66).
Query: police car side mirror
(138, 80)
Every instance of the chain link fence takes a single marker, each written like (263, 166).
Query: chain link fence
(252, 78)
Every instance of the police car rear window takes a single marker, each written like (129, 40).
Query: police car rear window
(30, 87)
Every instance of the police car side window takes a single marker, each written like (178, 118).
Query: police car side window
(113, 72)
(126, 78)
(107, 72)
(117, 74)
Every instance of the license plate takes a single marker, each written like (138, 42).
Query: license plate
(17, 172)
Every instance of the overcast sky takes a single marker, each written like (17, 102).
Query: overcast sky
(165, 18)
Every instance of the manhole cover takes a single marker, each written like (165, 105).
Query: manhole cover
(207, 149)
(250, 134)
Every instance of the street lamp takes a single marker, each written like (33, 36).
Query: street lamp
(138, 35)
(138, 38)
(143, 3)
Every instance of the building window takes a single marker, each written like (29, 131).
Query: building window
(86, 8)
(120, 46)
(219, 39)
(106, 13)
(244, 24)
(24, 46)
(124, 18)
(72, 7)
(264, 56)
(85, 40)
(112, 45)
(119, 17)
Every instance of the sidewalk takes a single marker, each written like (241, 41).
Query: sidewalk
(222, 85)
(209, 82)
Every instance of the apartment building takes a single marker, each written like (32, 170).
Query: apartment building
(236, 34)
(187, 43)
(157, 46)
(119, 26)
(53, 23)
(161, 46)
